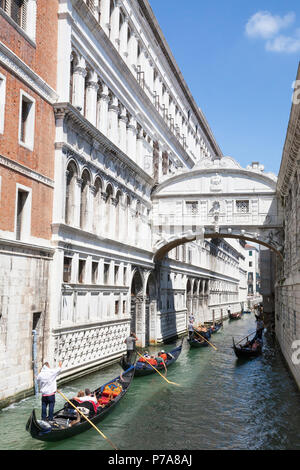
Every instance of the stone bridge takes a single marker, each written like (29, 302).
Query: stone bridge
(217, 198)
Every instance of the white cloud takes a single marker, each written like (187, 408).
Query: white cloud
(285, 44)
(265, 25)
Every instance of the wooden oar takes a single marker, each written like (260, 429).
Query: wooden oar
(249, 334)
(169, 381)
(206, 340)
(87, 419)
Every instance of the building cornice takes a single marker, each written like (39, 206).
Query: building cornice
(15, 65)
(25, 171)
(150, 17)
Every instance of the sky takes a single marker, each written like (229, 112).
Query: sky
(239, 59)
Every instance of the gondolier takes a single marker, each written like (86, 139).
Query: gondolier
(47, 385)
(191, 329)
(259, 328)
(130, 343)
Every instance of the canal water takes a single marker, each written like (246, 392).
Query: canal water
(221, 403)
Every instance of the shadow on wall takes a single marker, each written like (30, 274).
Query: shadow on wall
(166, 302)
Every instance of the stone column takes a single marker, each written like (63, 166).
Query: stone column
(91, 98)
(140, 147)
(140, 320)
(151, 78)
(79, 85)
(132, 52)
(77, 202)
(104, 15)
(113, 112)
(103, 110)
(90, 208)
(123, 38)
(115, 25)
(131, 138)
(123, 129)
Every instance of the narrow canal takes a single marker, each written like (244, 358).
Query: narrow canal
(221, 403)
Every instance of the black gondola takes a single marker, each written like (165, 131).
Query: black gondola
(214, 328)
(143, 368)
(59, 429)
(197, 342)
(246, 350)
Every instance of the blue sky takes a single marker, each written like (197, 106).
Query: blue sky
(239, 59)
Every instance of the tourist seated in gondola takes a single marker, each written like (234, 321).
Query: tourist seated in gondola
(161, 361)
(163, 355)
(256, 344)
(86, 403)
(204, 332)
(145, 357)
(152, 360)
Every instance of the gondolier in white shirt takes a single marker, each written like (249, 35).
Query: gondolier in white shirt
(47, 385)
(191, 329)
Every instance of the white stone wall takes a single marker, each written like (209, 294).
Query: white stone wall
(24, 273)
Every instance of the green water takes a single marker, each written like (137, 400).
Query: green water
(221, 403)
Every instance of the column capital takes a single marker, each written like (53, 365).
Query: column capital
(80, 71)
(93, 85)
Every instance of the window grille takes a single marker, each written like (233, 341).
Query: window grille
(67, 269)
(17, 10)
(242, 207)
(141, 77)
(192, 208)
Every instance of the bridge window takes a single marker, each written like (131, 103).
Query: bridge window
(242, 207)
(192, 207)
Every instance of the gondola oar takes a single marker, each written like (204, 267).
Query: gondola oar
(206, 340)
(169, 381)
(87, 419)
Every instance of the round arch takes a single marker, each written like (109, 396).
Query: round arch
(181, 240)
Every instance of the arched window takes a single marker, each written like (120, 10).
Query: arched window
(108, 208)
(127, 216)
(84, 199)
(137, 222)
(97, 206)
(70, 193)
(118, 214)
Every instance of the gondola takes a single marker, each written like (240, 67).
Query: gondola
(197, 342)
(143, 368)
(235, 316)
(246, 351)
(214, 328)
(60, 429)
